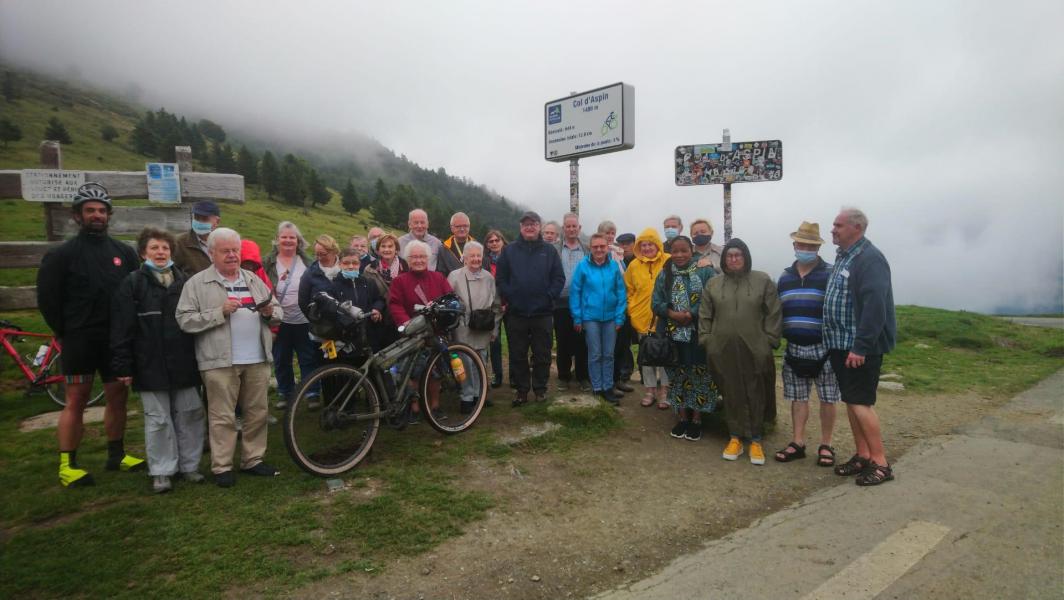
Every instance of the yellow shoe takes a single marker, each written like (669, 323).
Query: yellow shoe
(128, 463)
(734, 449)
(757, 453)
(71, 476)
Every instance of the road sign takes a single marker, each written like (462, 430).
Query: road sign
(745, 162)
(593, 122)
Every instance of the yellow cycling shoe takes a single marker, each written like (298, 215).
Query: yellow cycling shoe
(128, 463)
(72, 476)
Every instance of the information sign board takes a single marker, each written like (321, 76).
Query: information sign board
(164, 182)
(746, 162)
(50, 185)
(594, 122)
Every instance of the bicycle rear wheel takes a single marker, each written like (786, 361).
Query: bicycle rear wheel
(330, 432)
(460, 402)
(55, 384)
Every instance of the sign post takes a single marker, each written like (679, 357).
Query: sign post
(595, 122)
(727, 163)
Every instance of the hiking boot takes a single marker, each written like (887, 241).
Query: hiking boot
(519, 399)
(563, 386)
(262, 470)
(757, 454)
(624, 387)
(679, 430)
(733, 450)
(70, 475)
(585, 386)
(694, 431)
(126, 463)
(160, 484)
(225, 479)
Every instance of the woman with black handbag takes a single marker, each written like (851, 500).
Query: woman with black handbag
(475, 286)
(677, 296)
(639, 280)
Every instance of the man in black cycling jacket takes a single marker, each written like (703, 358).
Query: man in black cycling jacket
(74, 288)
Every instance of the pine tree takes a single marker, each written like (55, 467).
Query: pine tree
(271, 175)
(382, 203)
(165, 152)
(9, 132)
(293, 186)
(319, 194)
(212, 130)
(57, 131)
(404, 200)
(222, 158)
(246, 166)
(349, 198)
(108, 132)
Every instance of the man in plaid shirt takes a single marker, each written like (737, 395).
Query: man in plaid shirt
(859, 328)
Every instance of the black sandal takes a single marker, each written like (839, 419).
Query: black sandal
(854, 466)
(825, 460)
(875, 474)
(784, 456)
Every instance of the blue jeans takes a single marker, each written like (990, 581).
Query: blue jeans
(293, 338)
(600, 336)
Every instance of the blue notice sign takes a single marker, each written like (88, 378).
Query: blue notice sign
(164, 182)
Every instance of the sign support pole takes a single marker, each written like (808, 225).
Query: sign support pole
(574, 186)
(726, 138)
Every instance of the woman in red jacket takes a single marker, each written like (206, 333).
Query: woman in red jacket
(419, 285)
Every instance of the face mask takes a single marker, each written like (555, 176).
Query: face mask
(805, 256)
(157, 268)
(671, 232)
(350, 274)
(201, 228)
(701, 239)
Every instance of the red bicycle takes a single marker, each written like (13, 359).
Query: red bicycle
(42, 370)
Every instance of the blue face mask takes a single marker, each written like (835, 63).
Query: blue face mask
(671, 232)
(350, 274)
(157, 268)
(805, 256)
(201, 228)
(701, 239)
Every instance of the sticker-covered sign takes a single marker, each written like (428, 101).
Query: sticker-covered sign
(164, 182)
(746, 162)
(50, 185)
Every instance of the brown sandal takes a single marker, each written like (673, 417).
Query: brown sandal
(875, 474)
(854, 466)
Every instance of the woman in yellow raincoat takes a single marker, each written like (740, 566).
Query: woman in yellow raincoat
(639, 278)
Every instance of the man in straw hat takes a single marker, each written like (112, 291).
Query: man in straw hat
(801, 288)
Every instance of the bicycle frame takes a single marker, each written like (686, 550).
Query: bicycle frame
(35, 378)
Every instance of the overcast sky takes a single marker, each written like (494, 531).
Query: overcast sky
(939, 119)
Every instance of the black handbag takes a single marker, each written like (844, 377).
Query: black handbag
(481, 319)
(656, 349)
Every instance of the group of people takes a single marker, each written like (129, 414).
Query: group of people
(206, 311)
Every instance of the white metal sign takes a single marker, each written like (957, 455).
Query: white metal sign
(51, 185)
(164, 182)
(593, 122)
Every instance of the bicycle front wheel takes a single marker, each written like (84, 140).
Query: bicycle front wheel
(459, 399)
(55, 384)
(331, 424)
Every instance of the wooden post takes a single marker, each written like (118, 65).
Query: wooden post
(51, 158)
(726, 147)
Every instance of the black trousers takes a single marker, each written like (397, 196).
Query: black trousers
(523, 334)
(623, 361)
(572, 349)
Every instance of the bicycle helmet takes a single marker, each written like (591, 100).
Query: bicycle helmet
(448, 310)
(91, 192)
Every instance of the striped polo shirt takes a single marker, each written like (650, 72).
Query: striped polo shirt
(803, 303)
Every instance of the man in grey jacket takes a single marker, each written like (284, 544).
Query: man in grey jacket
(572, 349)
(230, 310)
(859, 328)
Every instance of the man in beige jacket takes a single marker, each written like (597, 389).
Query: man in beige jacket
(230, 311)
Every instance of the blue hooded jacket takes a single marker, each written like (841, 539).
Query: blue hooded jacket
(597, 292)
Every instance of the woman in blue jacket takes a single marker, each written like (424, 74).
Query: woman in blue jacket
(677, 294)
(598, 301)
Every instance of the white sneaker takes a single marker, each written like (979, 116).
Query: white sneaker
(160, 484)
